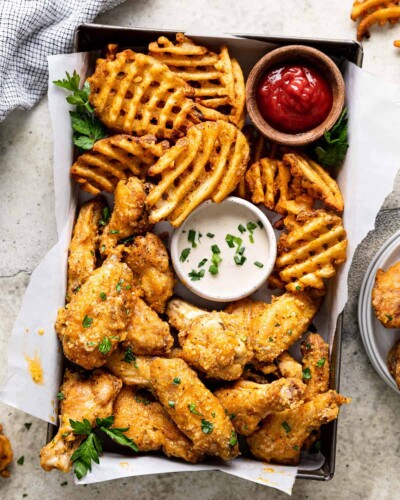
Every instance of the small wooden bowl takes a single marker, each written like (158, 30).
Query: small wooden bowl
(295, 54)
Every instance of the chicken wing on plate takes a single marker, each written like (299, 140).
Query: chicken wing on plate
(150, 427)
(84, 397)
(131, 369)
(247, 403)
(83, 245)
(193, 408)
(129, 216)
(386, 296)
(149, 261)
(97, 317)
(288, 366)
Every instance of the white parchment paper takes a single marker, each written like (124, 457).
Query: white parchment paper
(365, 180)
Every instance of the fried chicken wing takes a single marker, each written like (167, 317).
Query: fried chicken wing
(97, 317)
(193, 408)
(181, 313)
(276, 326)
(386, 296)
(83, 245)
(150, 427)
(212, 342)
(147, 333)
(248, 402)
(281, 436)
(393, 361)
(129, 216)
(85, 397)
(131, 369)
(288, 366)
(315, 352)
(149, 261)
(6, 454)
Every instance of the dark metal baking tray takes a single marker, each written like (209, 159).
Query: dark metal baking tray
(89, 37)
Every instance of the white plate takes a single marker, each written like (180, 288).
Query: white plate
(377, 339)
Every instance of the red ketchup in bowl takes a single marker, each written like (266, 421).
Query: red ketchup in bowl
(294, 98)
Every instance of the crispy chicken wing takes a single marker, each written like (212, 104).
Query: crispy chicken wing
(281, 436)
(150, 426)
(6, 454)
(83, 245)
(288, 366)
(212, 342)
(386, 296)
(149, 261)
(181, 313)
(315, 353)
(147, 333)
(97, 317)
(85, 397)
(131, 369)
(276, 326)
(194, 409)
(129, 216)
(393, 361)
(248, 403)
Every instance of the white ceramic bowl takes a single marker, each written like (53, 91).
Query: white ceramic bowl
(240, 290)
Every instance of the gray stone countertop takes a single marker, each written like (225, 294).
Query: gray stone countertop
(367, 451)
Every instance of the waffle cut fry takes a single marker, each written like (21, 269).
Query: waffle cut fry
(206, 164)
(314, 245)
(370, 12)
(136, 94)
(116, 158)
(217, 80)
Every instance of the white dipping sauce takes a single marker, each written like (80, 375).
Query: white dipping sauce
(224, 251)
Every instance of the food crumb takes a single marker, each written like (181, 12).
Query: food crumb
(124, 464)
(35, 368)
(41, 331)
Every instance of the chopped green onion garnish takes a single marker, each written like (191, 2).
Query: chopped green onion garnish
(229, 240)
(201, 264)
(240, 260)
(213, 269)
(241, 250)
(241, 228)
(184, 254)
(251, 226)
(286, 426)
(320, 363)
(258, 264)
(216, 259)
(251, 238)
(260, 224)
(192, 237)
(306, 373)
(196, 276)
(210, 235)
(215, 249)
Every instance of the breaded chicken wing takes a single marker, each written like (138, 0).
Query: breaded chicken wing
(276, 326)
(315, 352)
(129, 216)
(212, 342)
(131, 369)
(281, 436)
(247, 403)
(288, 366)
(393, 361)
(150, 426)
(6, 454)
(97, 317)
(147, 333)
(193, 408)
(149, 261)
(83, 245)
(386, 296)
(84, 397)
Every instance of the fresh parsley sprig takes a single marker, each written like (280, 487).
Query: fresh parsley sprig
(86, 126)
(91, 448)
(332, 148)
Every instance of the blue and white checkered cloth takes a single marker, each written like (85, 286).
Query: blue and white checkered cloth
(30, 30)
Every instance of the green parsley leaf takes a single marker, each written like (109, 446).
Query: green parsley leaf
(128, 287)
(298, 288)
(206, 426)
(171, 404)
(70, 83)
(81, 428)
(176, 381)
(286, 426)
(105, 345)
(130, 357)
(83, 142)
(105, 422)
(233, 440)
(87, 452)
(144, 401)
(332, 148)
(295, 447)
(106, 216)
(118, 286)
(103, 296)
(114, 231)
(289, 332)
(21, 460)
(320, 363)
(118, 436)
(271, 339)
(184, 254)
(213, 414)
(277, 324)
(232, 416)
(60, 395)
(87, 322)
(192, 409)
(390, 318)
(307, 373)
(27, 425)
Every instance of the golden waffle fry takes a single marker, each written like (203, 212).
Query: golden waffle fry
(115, 158)
(375, 11)
(310, 251)
(206, 164)
(135, 93)
(217, 80)
(318, 183)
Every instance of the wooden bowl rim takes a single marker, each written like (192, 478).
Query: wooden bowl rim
(324, 64)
